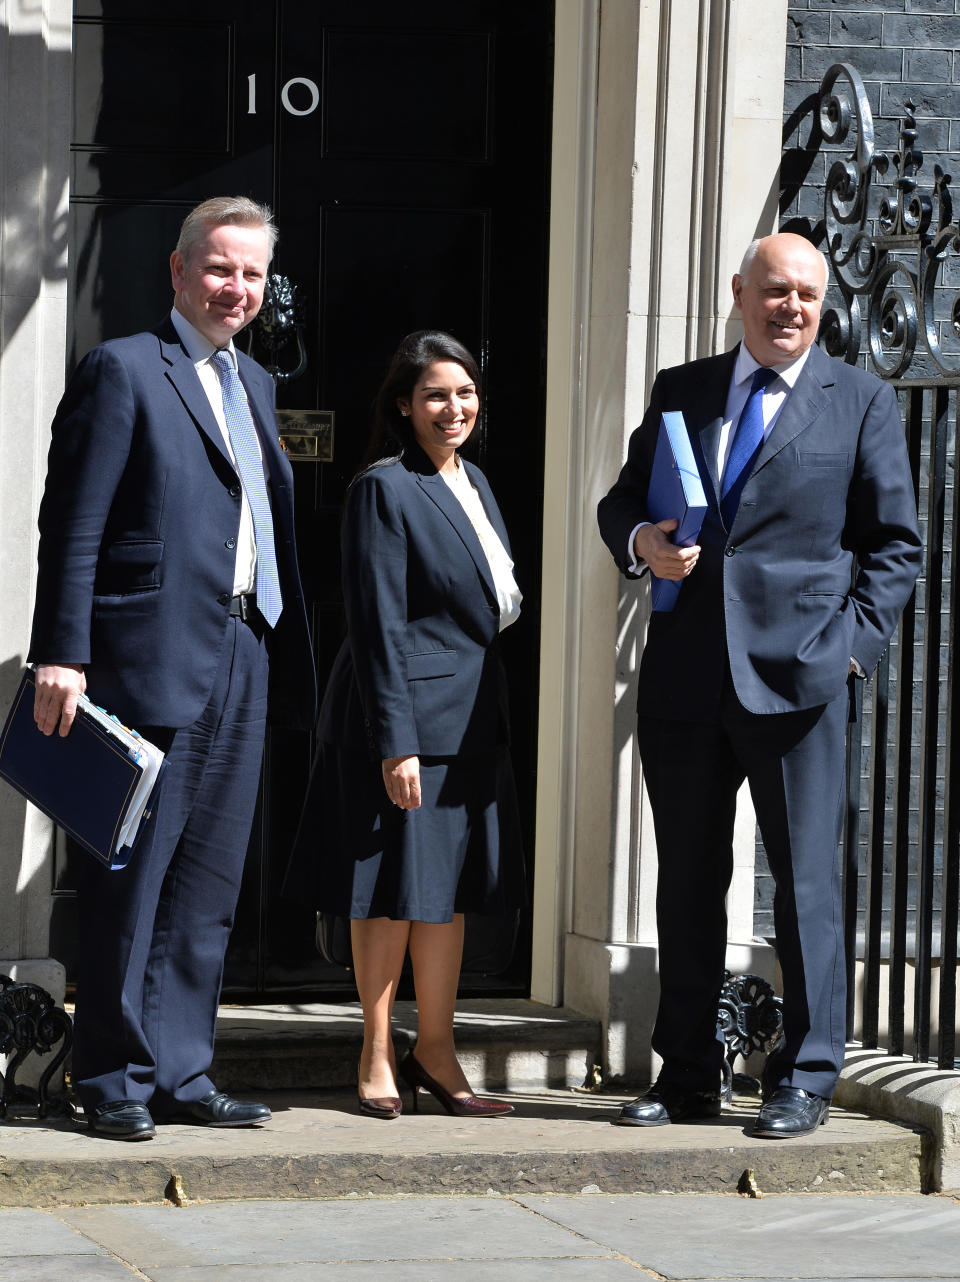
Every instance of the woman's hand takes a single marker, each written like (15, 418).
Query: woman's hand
(401, 778)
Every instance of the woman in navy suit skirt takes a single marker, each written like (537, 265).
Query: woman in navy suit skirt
(411, 815)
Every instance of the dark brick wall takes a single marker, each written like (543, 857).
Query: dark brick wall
(904, 50)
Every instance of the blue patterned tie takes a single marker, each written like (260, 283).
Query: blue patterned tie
(745, 447)
(243, 438)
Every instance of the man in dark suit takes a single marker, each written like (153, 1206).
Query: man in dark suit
(807, 555)
(168, 587)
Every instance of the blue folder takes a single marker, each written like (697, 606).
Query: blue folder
(675, 493)
(85, 782)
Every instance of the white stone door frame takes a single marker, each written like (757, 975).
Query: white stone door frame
(666, 149)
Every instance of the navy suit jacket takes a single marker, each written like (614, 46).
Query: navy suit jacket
(821, 557)
(138, 530)
(419, 672)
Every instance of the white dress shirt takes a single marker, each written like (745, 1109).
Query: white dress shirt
(501, 566)
(201, 350)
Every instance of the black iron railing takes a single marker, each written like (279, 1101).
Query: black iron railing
(895, 284)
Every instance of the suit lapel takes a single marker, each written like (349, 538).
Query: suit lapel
(482, 487)
(437, 490)
(707, 418)
(183, 375)
(806, 402)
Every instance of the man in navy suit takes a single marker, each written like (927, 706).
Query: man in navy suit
(807, 555)
(168, 588)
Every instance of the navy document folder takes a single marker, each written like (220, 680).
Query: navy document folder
(98, 783)
(675, 493)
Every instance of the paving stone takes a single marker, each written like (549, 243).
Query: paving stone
(83, 1268)
(877, 1237)
(514, 1270)
(406, 1229)
(24, 1231)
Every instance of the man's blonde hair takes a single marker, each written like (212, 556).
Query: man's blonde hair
(225, 211)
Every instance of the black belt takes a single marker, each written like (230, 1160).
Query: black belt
(244, 606)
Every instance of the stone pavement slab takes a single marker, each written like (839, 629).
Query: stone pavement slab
(326, 1232)
(557, 1142)
(777, 1238)
(689, 1238)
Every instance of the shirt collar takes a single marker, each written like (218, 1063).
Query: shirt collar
(746, 365)
(198, 346)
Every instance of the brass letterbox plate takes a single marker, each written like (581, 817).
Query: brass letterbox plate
(306, 435)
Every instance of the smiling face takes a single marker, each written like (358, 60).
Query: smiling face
(443, 409)
(220, 288)
(780, 298)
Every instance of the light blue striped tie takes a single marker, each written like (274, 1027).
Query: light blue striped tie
(243, 438)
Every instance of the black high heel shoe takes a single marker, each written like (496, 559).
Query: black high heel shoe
(417, 1078)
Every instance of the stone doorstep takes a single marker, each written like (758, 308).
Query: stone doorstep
(915, 1094)
(318, 1146)
(504, 1045)
(519, 1045)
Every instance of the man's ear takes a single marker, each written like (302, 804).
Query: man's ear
(737, 290)
(178, 270)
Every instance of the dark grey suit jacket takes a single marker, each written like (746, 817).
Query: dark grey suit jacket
(420, 671)
(821, 557)
(138, 529)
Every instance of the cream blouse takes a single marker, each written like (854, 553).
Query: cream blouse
(509, 595)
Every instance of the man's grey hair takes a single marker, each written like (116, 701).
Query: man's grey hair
(747, 261)
(225, 211)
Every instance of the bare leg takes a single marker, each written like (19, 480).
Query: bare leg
(436, 951)
(379, 947)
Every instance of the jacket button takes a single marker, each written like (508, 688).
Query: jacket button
(234, 491)
(223, 598)
(230, 543)
(729, 551)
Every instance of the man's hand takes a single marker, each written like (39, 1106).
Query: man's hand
(58, 689)
(401, 778)
(665, 559)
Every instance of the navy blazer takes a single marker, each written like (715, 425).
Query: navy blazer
(138, 529)
(419, 672)
(821, 557)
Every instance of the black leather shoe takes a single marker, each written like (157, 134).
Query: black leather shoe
(664, 1104)
(219, 1109)
(791, 1111)
(121, 1119)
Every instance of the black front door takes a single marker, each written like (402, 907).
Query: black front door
(405, 150)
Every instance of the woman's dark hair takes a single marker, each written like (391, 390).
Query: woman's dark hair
(392, 433)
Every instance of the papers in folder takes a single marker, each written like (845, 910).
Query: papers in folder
(675, 493)
(97, 783)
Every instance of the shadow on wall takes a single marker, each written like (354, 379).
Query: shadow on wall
(35, 220)
(13, 808)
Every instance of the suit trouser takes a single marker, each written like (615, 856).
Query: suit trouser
(794, 763)
(152, 936)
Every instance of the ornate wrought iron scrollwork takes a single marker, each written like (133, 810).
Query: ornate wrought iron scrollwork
(31, 1022)
(281, 321)
(888, 266)
(750, 1018)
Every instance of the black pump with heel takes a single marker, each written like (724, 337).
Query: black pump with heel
(417, 1078)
